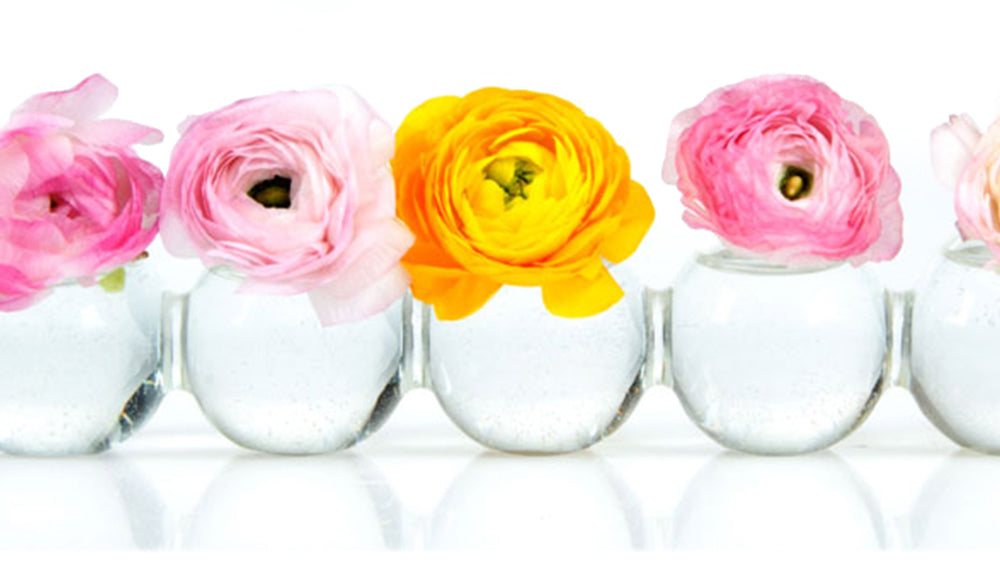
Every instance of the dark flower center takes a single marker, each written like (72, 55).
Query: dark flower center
(59, 205)
(273, 193)
(795, 183)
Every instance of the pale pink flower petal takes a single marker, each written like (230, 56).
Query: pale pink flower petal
(952, 146)
(119, 133)
(337, 239)
(678, 126)
(88, 100)
(977, 182)
(374, 298)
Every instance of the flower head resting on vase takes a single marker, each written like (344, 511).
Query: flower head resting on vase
(968, 161)
(293, 192)
(76, 201)
(506, 187)
(783, 168)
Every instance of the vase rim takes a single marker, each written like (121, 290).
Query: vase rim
(96, 278)
(226, 272)
(729, 260)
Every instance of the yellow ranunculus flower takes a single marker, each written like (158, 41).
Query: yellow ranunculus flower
(506, 187)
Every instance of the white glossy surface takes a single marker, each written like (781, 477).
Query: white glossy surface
(420, 484)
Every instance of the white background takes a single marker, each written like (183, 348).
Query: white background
(895, 484)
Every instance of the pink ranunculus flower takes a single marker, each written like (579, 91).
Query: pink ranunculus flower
(968, 161)
(292, 191)
(783, 168)
(75, 199)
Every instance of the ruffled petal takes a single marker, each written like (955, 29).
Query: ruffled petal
(452, 298)
(680, 123)
(636, 219)
(579, 297)
(379, 295)
(117, 133)
(952, 147)
(88, 100)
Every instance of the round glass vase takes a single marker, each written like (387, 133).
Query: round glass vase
(954, 340)
(271, 378)
(772, 359)
(516, 378)
(80, 369)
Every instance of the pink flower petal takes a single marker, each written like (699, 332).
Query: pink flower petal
(14, 171)
(728, 156)
(75, 201)
(678, 126)
(86, 101)
(117, 133)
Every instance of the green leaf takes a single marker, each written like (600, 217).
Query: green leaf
(114, 281)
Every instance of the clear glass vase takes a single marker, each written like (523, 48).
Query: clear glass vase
(516, 378)
(776, 360)
(954, 335)
(271, 378)
(80, 369)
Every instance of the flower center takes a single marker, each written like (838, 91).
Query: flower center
(795, 183)
(513, 175)
(59, 205)
(272, 193)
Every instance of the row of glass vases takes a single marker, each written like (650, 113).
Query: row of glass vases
(764, 358)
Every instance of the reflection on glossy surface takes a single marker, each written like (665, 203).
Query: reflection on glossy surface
(78, 503)
(802, 503)
(959, 506)
(541, 504)
(259, 501)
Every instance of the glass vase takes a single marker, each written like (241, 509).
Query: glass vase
(271, 378)
(776, 360)
(516, 378)
(80, 369)
(954, 338)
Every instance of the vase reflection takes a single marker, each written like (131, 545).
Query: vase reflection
(811, 502)
(958, 507)
(564, 502)
(72, 503)
(318, 503)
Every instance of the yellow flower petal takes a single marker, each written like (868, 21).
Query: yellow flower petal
(636, 219)
(579, 297)
(464, 296)
(517, 188)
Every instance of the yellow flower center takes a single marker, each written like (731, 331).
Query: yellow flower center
(513, 175)
(272, 193)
